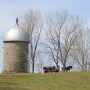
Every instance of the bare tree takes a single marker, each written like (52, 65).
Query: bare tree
(62, 31)
(81, 48)
(86, 51)
(32, 23)
(88, 48)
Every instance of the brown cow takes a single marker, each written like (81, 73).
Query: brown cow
(51, 69)
(68, 68)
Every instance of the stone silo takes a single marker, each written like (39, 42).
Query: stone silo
(15, 50)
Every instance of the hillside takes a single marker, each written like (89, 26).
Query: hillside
(46, 81)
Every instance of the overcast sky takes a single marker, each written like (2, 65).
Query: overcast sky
(10, 9)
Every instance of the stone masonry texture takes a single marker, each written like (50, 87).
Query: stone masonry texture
(15, 57)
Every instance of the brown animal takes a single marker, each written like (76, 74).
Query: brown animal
(66, 69)
(51, 69)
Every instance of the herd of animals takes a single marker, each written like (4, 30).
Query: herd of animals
(56, 69)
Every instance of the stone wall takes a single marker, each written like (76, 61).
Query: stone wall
(15, 57)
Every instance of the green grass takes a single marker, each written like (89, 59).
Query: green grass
(46, 81)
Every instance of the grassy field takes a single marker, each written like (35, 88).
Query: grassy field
(46, 81)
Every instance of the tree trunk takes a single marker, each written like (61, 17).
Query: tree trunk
(64, 67)
(33, 66)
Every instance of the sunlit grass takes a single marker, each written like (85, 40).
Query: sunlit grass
(46, 81)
